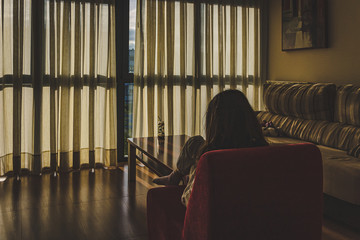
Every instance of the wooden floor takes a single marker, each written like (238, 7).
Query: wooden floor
(81, 205)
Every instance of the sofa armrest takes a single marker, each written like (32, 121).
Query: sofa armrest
(165, 212)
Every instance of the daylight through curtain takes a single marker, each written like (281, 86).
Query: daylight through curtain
(16, 95)
(77, 109)
(186, 52)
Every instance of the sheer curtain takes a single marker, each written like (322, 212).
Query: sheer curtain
(79, 93)
(186, 52)
(16, 95)
(76, 113)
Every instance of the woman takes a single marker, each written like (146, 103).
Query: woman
(230, 123)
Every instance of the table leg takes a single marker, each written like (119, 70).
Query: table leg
(131, 163)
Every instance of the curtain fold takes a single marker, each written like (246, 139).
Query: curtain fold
(188, 51)
(81, 34)
(16, 96)
(77, 85)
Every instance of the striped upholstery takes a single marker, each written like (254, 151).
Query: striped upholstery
(276, 119)
(288, 125)
(331, 134)
(303, 111)
(312, 130)
(301, 100)
(348, 137)
(355, 151)
(292, 126)
(347, 105)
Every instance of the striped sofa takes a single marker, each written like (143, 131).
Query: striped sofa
(326, 115)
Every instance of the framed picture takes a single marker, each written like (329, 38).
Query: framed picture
(303, 24)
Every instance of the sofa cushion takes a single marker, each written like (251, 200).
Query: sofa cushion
(338, 135)
(306, 130)
(341, 171)
(355, 151)
(347, 105)
(348, 137)
(267, 116)
(282, 140)
(341, 174)
(331, 134)
(286, 124)
(328, 136)
(302, 100)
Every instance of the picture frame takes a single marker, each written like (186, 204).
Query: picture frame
(303, 24)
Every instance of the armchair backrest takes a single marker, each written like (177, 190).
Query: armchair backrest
(272, 192)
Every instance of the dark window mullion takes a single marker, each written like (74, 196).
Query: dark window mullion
(122, 68)
(129, 78)
(38, 55)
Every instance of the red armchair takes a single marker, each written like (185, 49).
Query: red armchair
(272, 192)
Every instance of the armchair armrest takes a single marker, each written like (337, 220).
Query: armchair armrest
(165, 212)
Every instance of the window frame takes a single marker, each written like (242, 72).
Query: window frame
(123, 76)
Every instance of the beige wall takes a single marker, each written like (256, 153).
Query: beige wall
(339, 63)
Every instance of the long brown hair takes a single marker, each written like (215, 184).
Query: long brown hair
(231, 123)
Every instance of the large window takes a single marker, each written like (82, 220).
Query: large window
(188, 52)
(58, 84)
